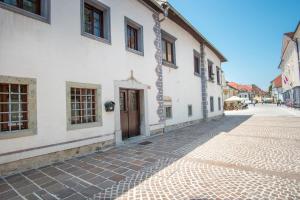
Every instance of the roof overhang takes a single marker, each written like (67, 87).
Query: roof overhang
(176, 17)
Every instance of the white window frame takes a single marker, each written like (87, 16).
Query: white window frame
(31, 107)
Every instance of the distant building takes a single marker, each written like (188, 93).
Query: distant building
(290, 67)
(277, 91)
(230, 89)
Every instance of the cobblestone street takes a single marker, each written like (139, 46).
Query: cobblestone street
(252, 154)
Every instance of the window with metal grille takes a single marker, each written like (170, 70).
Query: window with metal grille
(83, 105)
(33, 6)
(13, 107)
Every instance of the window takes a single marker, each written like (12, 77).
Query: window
(134, 37)
(190, 110)
(95, 20)
(14, 108)
(17, 107)
(83, 105)
(168, 49)
(196, 63)
(218, 76)
(37, 9)
(168, 112)
(211, 104)
(219, 103)
(210, 71)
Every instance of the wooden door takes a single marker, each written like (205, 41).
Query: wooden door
(130, 113)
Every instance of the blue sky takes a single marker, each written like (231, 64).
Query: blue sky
(248, 32)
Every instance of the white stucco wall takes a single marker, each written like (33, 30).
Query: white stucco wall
(57, 52)
(181, 84)
(213, 89)
(290, 67)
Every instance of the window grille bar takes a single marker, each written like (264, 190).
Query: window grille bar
(9, 106)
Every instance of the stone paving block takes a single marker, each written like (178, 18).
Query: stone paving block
(4, 187)
(91, 191)
(8, 194)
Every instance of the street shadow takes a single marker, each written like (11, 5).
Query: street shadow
(113, 173)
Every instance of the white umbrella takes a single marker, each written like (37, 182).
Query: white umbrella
(234, 98)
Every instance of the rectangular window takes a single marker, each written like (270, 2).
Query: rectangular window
(210, 71)
(132, 38)
(93, 21)
(168, 112)
(168, 53)
(219, 103)
(13, 107)
(196, 65)
(33, 6)
(83, 105)
(190, 110)
(211, 104)
(168, 49)
(218, 76)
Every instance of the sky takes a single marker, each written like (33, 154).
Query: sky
(247, 32)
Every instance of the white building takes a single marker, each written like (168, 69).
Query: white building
(61, 72)
(290, 67)
(277, 91)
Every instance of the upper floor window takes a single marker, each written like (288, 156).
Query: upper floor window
(17, 106)
(95, 20)
(210, 71)
(33, 6)
(218, 76)
(37, 9)
(168, 49)
(83, 105)
(134, 37)
(196, 63)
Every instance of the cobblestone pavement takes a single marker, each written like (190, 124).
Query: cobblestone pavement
(240, 156)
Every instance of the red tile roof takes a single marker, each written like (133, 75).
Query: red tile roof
(245, 88)
(277, 82)
(233, 85)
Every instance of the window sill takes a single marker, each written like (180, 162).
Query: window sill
(71, 127)
(17, 134)
(168, 64)
(99, 39)
(45, 19)
(140, 53)
(197, 74)
(210, 80)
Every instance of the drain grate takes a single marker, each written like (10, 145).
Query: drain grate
(145, 143)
